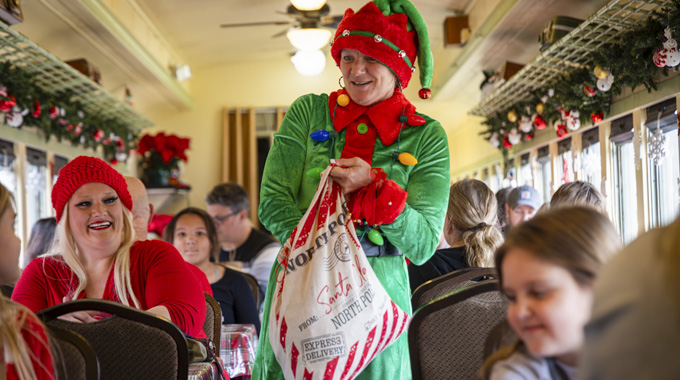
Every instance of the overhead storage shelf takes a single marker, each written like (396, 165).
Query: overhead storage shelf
(54, 76)
(569, 53)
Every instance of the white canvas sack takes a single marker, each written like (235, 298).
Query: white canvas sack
(329, 316)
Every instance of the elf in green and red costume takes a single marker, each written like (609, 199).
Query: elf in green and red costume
(394, 161)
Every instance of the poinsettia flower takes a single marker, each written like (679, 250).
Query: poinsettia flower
(145, 144)
(167, 155)
(159, 142)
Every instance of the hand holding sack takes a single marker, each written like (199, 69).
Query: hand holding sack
(330, 316)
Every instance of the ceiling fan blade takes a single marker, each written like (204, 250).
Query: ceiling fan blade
(331, 21)
(254, 24)
(281, 33)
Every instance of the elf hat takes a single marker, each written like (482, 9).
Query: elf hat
(84, 170)
(384, 30)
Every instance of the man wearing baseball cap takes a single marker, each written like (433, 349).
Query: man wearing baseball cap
(523, 202)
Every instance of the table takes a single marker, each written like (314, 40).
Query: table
(237, 349)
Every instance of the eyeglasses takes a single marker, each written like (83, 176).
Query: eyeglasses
(221, 219)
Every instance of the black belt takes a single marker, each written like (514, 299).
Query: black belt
(372, 250)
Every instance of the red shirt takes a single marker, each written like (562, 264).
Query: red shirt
(36, 341)
(158, 274)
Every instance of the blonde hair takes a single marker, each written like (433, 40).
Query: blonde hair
(473, 210)
(578, 239)
(13, 319)
(578, 193)
(121, 267)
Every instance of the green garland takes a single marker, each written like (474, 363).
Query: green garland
(629, 60)
(60, 116)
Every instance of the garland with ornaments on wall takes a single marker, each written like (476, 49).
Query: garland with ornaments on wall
(584, 95)
(22, 102)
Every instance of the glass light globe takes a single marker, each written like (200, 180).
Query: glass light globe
(308, 5)
(309, 62)
(309, 38)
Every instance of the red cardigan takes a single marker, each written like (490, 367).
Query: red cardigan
(34, 335)
(158, 274)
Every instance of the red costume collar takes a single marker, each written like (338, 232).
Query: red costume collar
(384, 115)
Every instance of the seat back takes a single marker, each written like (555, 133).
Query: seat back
(254, 286)
(213, 320)
(448, 283)
(73, 355)
(132, 344)
(447, 336)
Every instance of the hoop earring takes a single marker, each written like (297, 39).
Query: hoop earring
(340, 82)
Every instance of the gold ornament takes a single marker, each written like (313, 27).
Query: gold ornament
(512, 116)
(600, 72)
(539, 108)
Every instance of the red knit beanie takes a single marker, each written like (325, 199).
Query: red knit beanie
(84, 170)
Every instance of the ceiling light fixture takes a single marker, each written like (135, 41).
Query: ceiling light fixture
(309, 38)
(309, 62)
(308, 5)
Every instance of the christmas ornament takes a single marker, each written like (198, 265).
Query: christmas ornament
(6, 105)
(405, 158)
(573, 123)
(512, 116)
(656, 146)
(36, 109)
(314, 173)
(506, 143)
(670, 49)
(493, 140)
(16, 118)
(514, 137)
(659, 58)
(54, 112)
(539, 108)
(604, 84)
(375, 236)
(121, 156)
(539, 122)
(128, 97)
(99, 135)
(525, 124)
(561, 130)
(551, 92)
(528, 136)
(78, 130)
(596, 117)
(589, 91)
(600, 72)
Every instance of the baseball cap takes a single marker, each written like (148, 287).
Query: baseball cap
(524, 196)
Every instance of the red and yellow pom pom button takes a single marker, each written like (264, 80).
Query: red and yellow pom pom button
(343, 100)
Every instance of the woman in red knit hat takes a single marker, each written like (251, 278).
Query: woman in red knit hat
(99, 258)
(394, 162)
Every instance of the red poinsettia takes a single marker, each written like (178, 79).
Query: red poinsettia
(163, 151)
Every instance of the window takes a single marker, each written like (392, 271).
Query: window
(485, 177)
(565, 161)
(37, 198)
(526, 177)
(496, 179)
(59, 162)
(663, 185)
(591, 158)
(510, 177)
(623, 176)
(7, 176)
(543, 175)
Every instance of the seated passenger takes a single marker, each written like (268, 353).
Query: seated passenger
(42, 238)
(635, 327)
(98, 257)
(193, 234)
(26, 349)
(546, 268)
(470, 230)
(578, 193)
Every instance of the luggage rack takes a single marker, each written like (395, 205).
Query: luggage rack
(569, 53)
(54, 76)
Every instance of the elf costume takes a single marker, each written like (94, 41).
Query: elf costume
(406, 203)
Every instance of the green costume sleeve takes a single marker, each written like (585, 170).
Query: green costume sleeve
(417, 229)
(283, 172)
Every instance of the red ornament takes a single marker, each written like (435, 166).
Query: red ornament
(589, 91)
(36, 109)
(506, 143)
(7, 105)
(113, 161)
(425, 93)
(63, 121)
(539, 123)
(99, 135)
(107, 141)
(561, 130)
(415, 120)
(596, 117)
(69, 127)
(54, 112)
(528, 136)
(78, 130)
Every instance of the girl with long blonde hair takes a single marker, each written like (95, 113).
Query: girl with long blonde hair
(99, 258)
(469, 229)
(24, 342)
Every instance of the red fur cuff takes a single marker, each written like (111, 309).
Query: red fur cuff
(380, 202)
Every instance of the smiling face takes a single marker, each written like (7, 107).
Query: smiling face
(191, 239)
(548, 308)
(11, 247)
(95, 219)
(367, 81)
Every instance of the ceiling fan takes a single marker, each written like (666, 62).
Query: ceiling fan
(310, 24)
